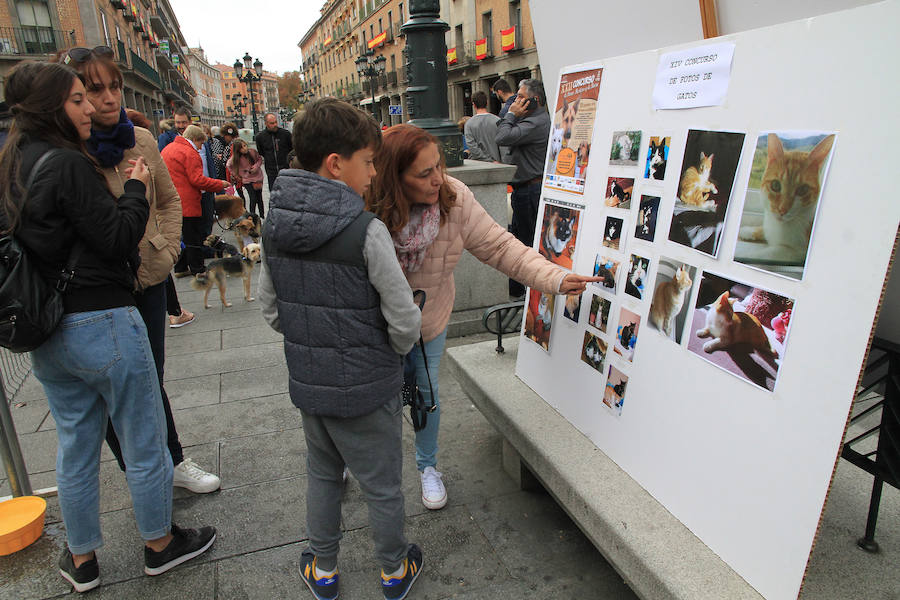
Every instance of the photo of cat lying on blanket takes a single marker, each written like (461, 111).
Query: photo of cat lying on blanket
(741, 329)
(707, 175)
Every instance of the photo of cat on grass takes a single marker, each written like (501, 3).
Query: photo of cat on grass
(614, 393)
(703, 195)
(627, 334)
(593, 351)
(741, 329)
(670, 304)
(782, 200)
(539, 318)
(625, 149)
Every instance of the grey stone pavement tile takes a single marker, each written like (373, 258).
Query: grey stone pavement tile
(227, 383)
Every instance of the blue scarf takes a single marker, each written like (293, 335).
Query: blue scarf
(108, 147)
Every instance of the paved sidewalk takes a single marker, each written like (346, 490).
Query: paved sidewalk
(227, 381)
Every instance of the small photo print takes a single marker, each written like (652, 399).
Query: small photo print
(625, 149)
(599, 315)
(572, 308)
(638, 272)
(648, 212)
(614, 394)
(741, 329)
(559, 231)
(627, 334)
(670, 306)
(539, 318)
(607, 269)
(593, 351)
(612, 232)
(618, 192)
(779, 216)
(657, 158)
(708, 170)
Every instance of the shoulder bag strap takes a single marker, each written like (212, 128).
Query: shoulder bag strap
(421, 303)
(78, 247)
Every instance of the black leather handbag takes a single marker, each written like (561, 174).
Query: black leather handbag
(30, 306)
(412, 396)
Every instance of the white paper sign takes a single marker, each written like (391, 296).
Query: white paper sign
(695, 77)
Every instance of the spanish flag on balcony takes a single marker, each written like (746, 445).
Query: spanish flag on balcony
(508, 39)
(377, 40)
(451, 56)
(481, 49)
(327, 41)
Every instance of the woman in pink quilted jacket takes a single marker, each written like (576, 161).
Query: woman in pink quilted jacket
(246, 164)
(432, 219)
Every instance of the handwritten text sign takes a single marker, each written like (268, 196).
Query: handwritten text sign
(695, 77)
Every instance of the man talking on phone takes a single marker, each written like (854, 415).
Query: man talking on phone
(525, 128)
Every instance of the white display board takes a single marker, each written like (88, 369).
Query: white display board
(745, 468)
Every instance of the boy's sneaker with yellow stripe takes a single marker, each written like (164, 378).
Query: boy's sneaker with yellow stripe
(322, 587)
(396, 587)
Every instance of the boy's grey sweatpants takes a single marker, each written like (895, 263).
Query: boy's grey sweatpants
(370, 446)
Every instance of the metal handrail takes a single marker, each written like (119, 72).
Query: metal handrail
(14, 368)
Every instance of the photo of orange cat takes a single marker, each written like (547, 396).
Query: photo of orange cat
(741, 329)
(782, 200)
(675, 282)
(708, 169)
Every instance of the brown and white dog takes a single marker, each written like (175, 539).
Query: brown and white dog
(221, 268)
(246, 229)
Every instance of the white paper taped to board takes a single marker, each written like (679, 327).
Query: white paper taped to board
(695, 77)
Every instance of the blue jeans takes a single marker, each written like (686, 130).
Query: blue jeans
(427, 438)
(96, 365)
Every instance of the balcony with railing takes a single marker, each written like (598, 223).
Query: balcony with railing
(34, 41)
(391, 77)
(144, 69)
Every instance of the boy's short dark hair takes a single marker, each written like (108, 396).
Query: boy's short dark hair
(479, 99)
(501, 86)
(331, 126)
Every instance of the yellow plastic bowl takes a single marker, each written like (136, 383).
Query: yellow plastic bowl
(21, 522)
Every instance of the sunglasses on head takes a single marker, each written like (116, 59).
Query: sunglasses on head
(80, 55)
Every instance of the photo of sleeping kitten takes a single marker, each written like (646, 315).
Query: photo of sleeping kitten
(741, 329)
(782, 200)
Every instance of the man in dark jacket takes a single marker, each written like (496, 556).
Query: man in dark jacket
(274, 144)
(526, 130)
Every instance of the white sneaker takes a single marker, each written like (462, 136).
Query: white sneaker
(188, 475)
(434, 495)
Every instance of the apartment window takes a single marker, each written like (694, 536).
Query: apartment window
(515, 16)
(391, 21)
(393, 62)
(105, 28)
(400, 11)
(371, 31)
(459, 37)
(487, 28)
(380, 26)
(34, 18)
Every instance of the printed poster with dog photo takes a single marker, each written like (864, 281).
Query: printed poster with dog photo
(708, 170)
(559, 230)
(572, 129)
(539, 318)
(741, 329)
(782, 200)
(671, 300)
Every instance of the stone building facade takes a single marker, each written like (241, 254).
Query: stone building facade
(348, 29)
(143, 34)
(207, 82)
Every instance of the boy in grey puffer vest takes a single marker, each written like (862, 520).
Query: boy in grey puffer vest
(331, 283)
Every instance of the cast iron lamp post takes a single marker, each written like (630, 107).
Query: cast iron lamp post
(373, 68)
(426, 72)
(239, 106)
(249, 78)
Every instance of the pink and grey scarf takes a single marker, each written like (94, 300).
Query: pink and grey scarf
(414, 239)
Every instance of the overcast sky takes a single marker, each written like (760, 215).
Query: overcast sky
(267, 29)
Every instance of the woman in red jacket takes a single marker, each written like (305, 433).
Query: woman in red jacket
(182, 158)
